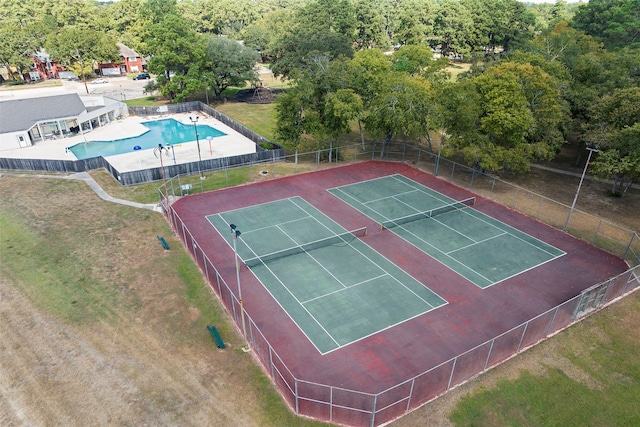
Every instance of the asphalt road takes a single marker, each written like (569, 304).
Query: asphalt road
(119, 88)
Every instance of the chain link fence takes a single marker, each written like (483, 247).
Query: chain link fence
(352, 407)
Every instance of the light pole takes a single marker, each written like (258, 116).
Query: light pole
(195, 128)
(160, 149)
(235, 233)
(575, 199)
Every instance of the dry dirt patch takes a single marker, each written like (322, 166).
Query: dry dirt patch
(137, 352)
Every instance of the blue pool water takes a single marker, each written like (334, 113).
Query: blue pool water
(165, 132)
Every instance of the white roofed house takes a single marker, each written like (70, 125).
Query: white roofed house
(25, 122)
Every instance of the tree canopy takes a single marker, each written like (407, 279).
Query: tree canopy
(228, 63)
(539, 71)
(615, 23)
(504, 118)
(614, 129)
(80, 47)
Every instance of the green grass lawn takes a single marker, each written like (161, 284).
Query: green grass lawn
(597, 383)
(96, 267)
(258, 117)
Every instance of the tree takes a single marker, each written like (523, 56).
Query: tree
(367, 71)
(504, 118)
(268, 31)
(177, 52)
(220, 17)
(565, 47)
(414, 21)
(336, 16)
(81, 48)
(616, 23)
(403, 106)
(372, 26)
(614, 126)
(124, 21)
(229, 64)
(16, 47)
(304, 52)
(412, 59)
(341, 107)
(509, 24)
(453, 28)
(291, 121)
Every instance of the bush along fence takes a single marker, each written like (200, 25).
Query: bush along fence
(353, 407)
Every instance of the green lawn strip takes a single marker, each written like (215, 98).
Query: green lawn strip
(62, 266)
(147, 101)
(148, 192)
(50, 274)
(273, 410)
(260, 118)
(199, 294)
(608, 393)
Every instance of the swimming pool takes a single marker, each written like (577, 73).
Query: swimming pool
(165, 132)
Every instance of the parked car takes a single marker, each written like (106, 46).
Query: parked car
(99, 81)
(142, 76)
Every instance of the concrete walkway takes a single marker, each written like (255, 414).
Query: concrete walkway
(84, 176)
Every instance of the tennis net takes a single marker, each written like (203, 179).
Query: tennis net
(429, 214)
(337, 240)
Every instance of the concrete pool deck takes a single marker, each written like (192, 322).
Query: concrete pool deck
(231, 144)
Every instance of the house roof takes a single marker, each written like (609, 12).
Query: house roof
(22, 114)
(126, 51)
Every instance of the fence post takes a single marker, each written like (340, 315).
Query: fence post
(486, 362)
(493, 187)
(330, 404)
(526, 325)
(453, 368)
(633, 237)
(552, 321)
(373, 411)
(271, 362)
(413, 382)
(539, 208)
(629, 280)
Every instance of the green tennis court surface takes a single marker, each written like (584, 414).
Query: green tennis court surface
(484, 250)
(336, 288)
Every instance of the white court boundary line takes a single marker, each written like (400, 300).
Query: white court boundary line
(345, 287)
(433, 194)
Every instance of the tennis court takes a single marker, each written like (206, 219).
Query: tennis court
(319, 300)
(484, 250)
(335, 287)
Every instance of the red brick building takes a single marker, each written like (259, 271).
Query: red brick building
(43, 67)
(130, 62)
